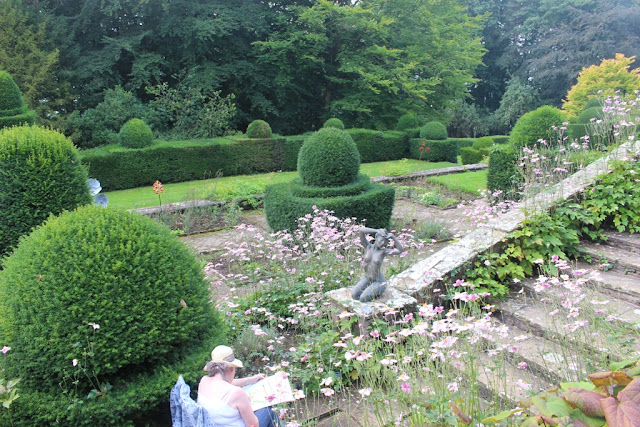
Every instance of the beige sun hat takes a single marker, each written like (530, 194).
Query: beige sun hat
(224, 354)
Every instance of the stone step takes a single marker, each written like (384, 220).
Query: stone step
(615, 283)
(622, 260)
(626, 241)
(526, 314)
(625, 313)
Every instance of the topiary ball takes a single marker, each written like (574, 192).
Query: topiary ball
(536, 125)
(407, 121)
(434, 131)
(594, 102)
(40, 174)
(259, 129)
(105, 281)
(588, 114)
(328, 158)
(135, 134)
(334, 123)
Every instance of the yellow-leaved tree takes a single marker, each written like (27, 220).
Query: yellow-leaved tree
(602, 80)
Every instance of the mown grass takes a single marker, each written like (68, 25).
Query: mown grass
(470, 182)
(244, 184)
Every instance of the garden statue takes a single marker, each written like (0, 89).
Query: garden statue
(373, 284)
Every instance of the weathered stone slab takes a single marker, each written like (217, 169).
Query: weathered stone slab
(391, 299)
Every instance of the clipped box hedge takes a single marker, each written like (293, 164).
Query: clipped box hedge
(470, 156)
(376, 146)
(440, 151)
(503, 174)
(283, 209)
(119, 168)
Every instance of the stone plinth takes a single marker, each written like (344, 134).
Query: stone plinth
(392, 299)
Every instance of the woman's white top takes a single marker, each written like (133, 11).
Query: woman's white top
(221, 413)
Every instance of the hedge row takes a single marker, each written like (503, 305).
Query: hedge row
(434, 151)
(376, 146)
(375, 205)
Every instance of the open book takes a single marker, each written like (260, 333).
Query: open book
(270, 391)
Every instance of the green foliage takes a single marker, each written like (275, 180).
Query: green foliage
(484, 142)
(135, 134)
(106, 267)
(500, 139)
(259, 129)
(467, 121)
(283, 209)
(433, 151)
(100, 125)
(328, 158)
(360, 185)
(594, 102)
(503, 174)
(407, 121)
(13, 110)
(601, 81)
(517, 100)
(536, 125)
(470, 156)
(334, 123)
(376, 146)
(615, 199)
(190, 110)
(433, 130)
(588, 114)
(40, 174)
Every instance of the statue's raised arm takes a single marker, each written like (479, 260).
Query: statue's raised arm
(373, 284)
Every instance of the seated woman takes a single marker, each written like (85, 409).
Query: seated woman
(222, 396)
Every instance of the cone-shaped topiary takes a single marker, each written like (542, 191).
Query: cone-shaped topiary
(334, 123)
(259, 129)
(434, 131)
(328, 158)
(13, 110)
(102, 291)
(40, 174)
(135, 134)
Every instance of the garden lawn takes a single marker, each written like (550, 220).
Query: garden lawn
(228, 187)
(470, 182)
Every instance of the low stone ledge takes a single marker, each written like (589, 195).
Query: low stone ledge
(391, 299)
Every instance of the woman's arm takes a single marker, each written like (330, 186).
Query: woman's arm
(243, 382)
(243, 405)
(366, 230)
(397, 246)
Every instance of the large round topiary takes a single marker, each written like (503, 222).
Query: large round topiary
(328, 158)
(588, 114)
(536, 125)
(259, 129)
(434, 131)
(40, 174)
(105, 281)
(13, 110)
(407, 121)
(334, 123)
(135, 134)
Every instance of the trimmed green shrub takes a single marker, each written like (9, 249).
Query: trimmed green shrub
(361, 184)
(434, 151)
(259, 129)
(412, 132)
(283, 209)
(499, 139)
(503, 174)
(593, 102)
(470, 156)
(13, 110)
(484, 142)
(113, 290)
(536, 125)
(588, 114)
(376, 146)
(407, 121)
(135, 134)
(434, 131)
(334, 123)
(462, 142)
(328, 158)
(40, 174)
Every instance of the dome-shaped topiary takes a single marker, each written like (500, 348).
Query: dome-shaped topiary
(328, 158)
(259, 129)
(407, 121)
(111, 278)
(13, 110)
(594, 102)
(536, 125)
(135, 134)
(40, 174)
(434, 131)
(334, 123)
(588, 114)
